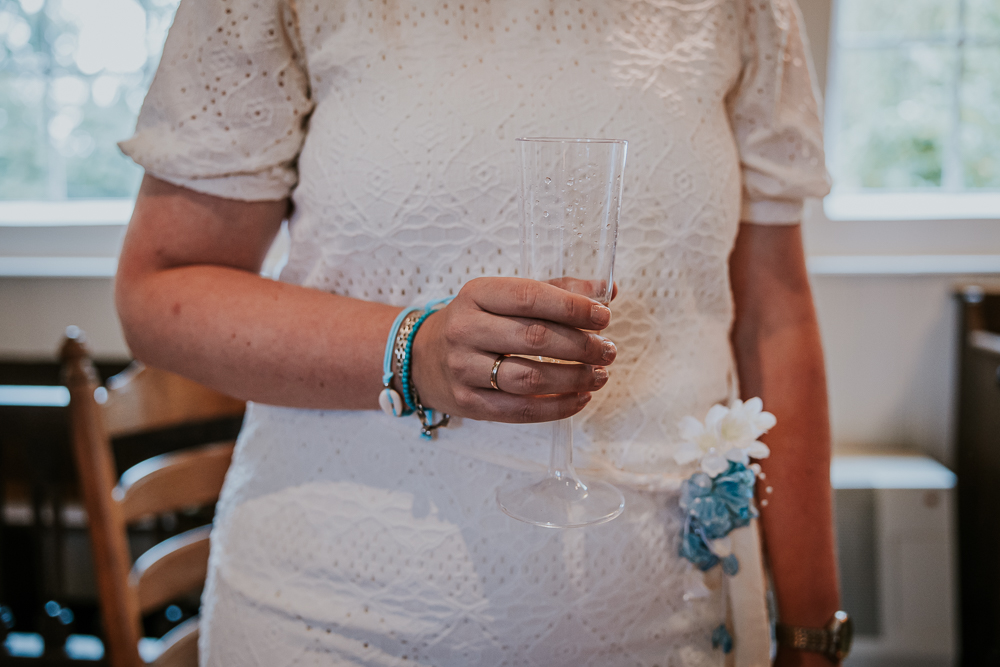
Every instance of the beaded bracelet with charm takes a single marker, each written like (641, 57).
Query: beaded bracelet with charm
(389, 399)
(397, 363)
(426, 416)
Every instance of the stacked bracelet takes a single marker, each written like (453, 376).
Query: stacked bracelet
(409, 393)
(389, 399)
(398, 362)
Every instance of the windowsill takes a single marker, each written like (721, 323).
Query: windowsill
(76, 238)
(81, 238)
(902, 265)
(58, 267)
(892, 470)
(836, 206)
(68, 213)
(871, 206)
(818, 265)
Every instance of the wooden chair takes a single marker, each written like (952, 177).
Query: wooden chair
(143, 399)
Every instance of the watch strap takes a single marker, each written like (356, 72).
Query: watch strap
(816, 640)
(833, 641)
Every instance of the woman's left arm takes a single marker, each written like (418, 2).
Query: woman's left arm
(779, 357)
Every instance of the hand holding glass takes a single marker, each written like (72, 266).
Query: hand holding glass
(570, 195)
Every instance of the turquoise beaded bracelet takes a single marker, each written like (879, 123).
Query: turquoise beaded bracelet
(389, 399)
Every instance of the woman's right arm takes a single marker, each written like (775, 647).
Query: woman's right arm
(191, 300)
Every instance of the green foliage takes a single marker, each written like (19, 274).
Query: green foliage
(917, 101)
(980, 138)
(896, 18)
(67, 94)
(22, 165)
(900, 108)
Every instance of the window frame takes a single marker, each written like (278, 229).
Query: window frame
(874, 235)
(952, 200)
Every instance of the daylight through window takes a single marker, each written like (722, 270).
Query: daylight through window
(73, 74)
(915, 100)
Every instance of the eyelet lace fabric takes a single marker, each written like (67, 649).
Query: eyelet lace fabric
(344, 539)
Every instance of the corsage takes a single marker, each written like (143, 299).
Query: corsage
(719, 497)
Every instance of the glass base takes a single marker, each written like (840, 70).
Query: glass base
(561, 502)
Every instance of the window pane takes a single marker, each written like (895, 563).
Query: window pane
(90, 62)
(981, 118)
(982, 18)
(894, 122)
(896, 18)
(22, 137)
(94, 165)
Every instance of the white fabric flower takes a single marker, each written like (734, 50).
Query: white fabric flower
(697, 440)
(728, 434)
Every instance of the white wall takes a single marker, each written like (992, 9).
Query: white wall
(35, 311)
(890, 351)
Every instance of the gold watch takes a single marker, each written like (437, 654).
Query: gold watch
(833, 641)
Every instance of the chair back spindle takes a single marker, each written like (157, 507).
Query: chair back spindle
(138, 400)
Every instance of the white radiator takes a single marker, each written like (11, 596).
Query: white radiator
(895, 520)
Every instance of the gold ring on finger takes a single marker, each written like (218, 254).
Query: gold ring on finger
(496, 367)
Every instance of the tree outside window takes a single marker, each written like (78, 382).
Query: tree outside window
(915, 101)
(73, 74)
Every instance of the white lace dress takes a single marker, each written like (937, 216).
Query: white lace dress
(342, 538)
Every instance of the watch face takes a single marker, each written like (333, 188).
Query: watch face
(842, 629)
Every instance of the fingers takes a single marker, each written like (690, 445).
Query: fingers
(528, 377)
(592, 289)
(518, 297)
(499, 406)
(537, 338)
(454, 351)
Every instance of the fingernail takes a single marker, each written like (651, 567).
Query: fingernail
(585, 398)
(608, 350)
(600, 376)
(600, 315)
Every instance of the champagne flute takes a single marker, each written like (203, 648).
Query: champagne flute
(570, 195)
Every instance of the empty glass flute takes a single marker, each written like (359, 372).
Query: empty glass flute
(570, 195)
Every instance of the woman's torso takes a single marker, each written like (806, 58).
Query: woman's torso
(346, 532)
(407, 177)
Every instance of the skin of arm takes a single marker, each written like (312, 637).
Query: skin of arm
(779, 357)
(191, 300)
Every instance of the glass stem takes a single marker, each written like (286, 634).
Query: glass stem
(561, 462)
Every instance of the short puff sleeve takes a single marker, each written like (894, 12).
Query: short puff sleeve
(227, 110)
(775, 116)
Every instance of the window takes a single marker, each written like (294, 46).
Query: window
(73, 74)
(915, 99)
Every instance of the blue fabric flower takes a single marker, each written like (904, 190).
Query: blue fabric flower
(732, 492)
(735, 488)
(738, 481)
(720, 497)
(698, 485)
(722, 639)
(714, 507)
(713, 515)
(694, 548)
